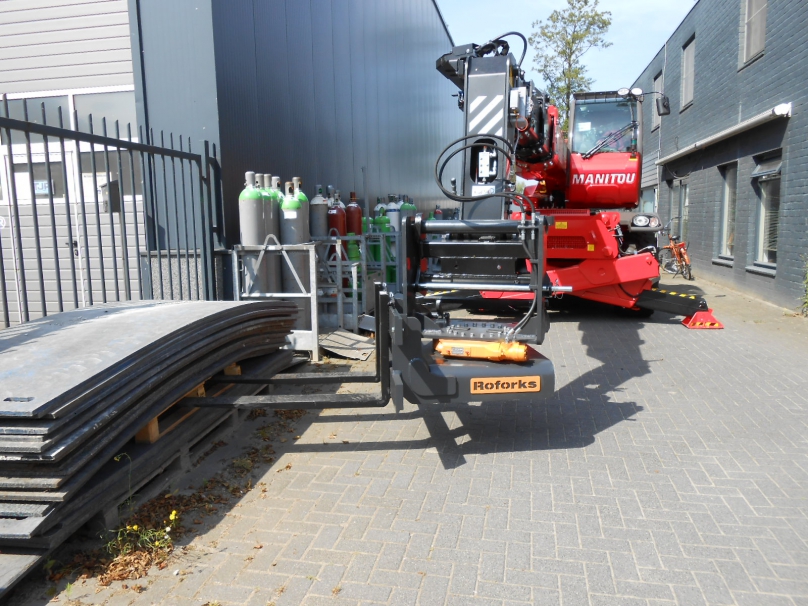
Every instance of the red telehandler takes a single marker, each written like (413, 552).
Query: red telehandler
(599, 244)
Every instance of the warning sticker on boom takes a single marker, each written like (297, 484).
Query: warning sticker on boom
(509, 385)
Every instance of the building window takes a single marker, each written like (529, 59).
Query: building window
(767, 175)
(769, 221)
(688, 71)
(728, 198)
(43, 188)
(755, 34)
(684, 205)
(655, 117)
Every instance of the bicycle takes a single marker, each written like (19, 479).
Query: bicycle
(673, 258)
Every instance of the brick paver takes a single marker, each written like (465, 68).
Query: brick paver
(669, 468)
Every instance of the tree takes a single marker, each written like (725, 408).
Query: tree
(560, 44)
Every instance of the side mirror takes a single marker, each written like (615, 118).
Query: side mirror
(663, 105)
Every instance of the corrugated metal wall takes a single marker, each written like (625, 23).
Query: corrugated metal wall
(63, 44)
(340, 92)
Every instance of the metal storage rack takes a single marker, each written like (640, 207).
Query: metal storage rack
(334, 271)
(299, 340)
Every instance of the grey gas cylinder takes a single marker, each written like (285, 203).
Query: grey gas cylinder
(252, 229)
(272, 210)
(295, 230)
(318, 214)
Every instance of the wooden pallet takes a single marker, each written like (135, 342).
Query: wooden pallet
(167, 420)
(175, 414)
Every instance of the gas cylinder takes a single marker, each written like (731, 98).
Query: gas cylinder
(295, 230)
(353, 216)
(393, 212)
(374, 227)
(407, 209)
(330, 195)
(438, 212)
(354, 253)
(251, 212)
(379, 209)
(337, 221)
(318, 215)
(272, 210)
(304, 200)
(390, 255)
(253, 232)
(338, 200)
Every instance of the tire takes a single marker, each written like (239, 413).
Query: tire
(687, 273)
(666, 261)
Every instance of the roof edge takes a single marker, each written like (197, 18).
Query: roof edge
(443, 21)
(783, 110)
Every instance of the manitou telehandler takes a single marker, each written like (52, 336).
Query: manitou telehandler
(598, 244)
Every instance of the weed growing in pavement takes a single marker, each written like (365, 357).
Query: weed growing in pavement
(134, 537)
(804, 306)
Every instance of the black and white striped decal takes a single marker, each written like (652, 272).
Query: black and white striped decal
(486, 114)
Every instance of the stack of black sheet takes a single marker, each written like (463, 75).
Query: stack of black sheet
(75, 388)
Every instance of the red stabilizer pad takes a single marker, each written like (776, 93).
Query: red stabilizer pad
(702, 320)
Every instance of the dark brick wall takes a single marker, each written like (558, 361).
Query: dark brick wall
(726, 92)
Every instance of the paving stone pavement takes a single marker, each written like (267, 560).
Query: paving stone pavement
(669, 468)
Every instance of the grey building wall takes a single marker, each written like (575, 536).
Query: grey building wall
(63, 44)
(728, 91)
(340, 92)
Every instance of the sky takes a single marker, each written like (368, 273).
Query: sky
(639, 29)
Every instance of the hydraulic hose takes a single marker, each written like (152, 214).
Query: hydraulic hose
(519, 199)
(524, 44)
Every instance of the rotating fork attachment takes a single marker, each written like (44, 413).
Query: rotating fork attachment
(437, 358)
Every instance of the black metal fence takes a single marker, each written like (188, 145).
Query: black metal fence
(98, 216)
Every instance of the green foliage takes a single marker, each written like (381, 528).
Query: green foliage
(560, 44)
(132, 538)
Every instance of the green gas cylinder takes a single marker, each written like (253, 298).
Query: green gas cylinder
(391, 253)
(378, 226)
(407, 209)
(354, 253)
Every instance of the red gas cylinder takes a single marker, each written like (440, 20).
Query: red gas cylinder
(337, 221)
(353, 215)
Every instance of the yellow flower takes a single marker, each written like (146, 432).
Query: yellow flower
(134, 527)
(173, 516)
(128, 527)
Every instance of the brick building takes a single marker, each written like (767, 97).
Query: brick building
(731, 159)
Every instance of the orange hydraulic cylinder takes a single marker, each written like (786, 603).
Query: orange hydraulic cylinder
(496, 351)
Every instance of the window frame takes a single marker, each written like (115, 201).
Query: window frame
(684, 208)
(656, 119)
(689, 49)
(726, 170)
(749, 56)
(763, 214)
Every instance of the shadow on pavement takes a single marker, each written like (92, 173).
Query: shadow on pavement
(580, 408)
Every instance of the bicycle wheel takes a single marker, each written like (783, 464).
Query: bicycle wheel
(666, 261)
(687, 273)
